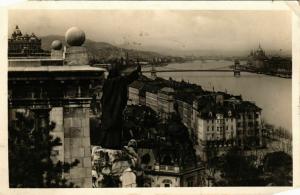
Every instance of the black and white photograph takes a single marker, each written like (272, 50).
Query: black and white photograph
(149, 98)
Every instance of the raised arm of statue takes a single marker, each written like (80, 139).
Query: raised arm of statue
(133, 75)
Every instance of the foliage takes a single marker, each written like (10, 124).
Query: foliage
(141, 115)
(237, 170)
(278, 169)
(139, 122)
(30, 163)
(143, 124)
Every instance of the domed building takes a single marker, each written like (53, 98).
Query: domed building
(20, 45)
(17, 33)
(257, 59)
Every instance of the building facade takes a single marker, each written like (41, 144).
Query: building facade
(165, 103)
(54, 91)
(25, 45)
(257, 58)
(214, 119)
(161, 169)
(151, 100)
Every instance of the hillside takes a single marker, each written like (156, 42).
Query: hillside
(101, 50)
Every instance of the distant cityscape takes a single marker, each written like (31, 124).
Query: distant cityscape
(182, 133)
(257, 61)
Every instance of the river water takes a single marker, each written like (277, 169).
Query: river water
(272, 94)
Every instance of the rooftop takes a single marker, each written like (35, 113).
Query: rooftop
(82, 68)
(167, 90)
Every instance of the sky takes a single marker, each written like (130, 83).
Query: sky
(165, 29)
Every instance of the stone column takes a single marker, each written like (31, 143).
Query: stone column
(77, 144)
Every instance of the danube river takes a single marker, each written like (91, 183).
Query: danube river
(272, 94)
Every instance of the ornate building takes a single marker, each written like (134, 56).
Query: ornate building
(25, 45)
(257, 58)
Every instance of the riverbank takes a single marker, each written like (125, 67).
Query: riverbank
(272, 94)
(273, 74)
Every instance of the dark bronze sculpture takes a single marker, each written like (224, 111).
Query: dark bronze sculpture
(114, 100)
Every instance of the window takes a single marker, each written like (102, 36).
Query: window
(167, 182)
(256, 115)
(229, 113)
(226, 127)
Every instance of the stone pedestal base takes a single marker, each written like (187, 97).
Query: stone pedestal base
(56, 54)
(112, 168)
(76, 55)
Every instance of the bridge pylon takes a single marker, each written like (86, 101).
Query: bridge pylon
(236, 71)
(153, 73)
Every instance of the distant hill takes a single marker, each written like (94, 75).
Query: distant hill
(101, 50)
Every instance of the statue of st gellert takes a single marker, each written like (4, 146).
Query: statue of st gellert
(114, 101)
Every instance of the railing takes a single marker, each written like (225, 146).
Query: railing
(167, 168)
(193, 70)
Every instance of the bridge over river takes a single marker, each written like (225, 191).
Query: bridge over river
(233, 68)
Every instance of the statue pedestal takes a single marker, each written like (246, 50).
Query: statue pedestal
(112, 164)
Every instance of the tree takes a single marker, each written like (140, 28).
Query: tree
(139, 122)
(30, 163)
(278, 169)
(237, 170)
